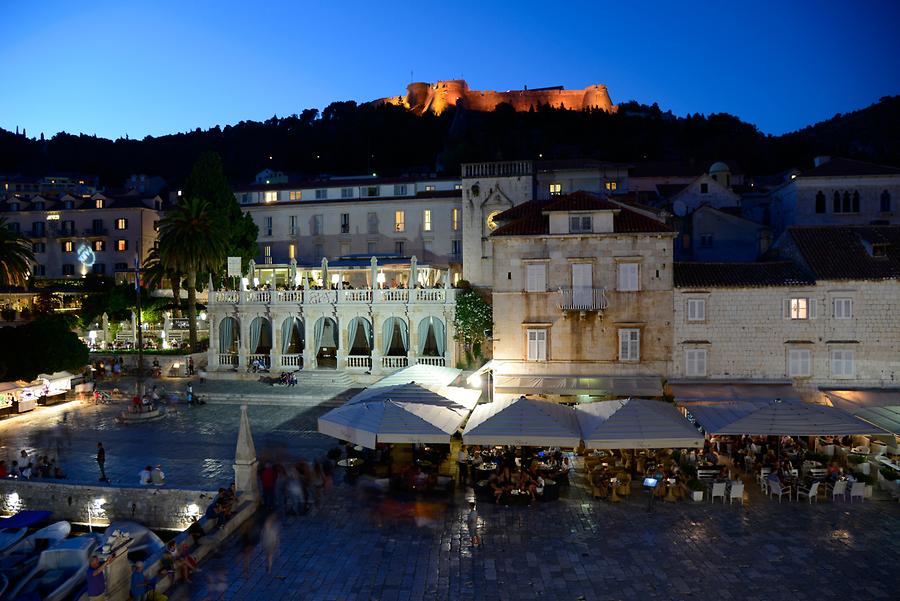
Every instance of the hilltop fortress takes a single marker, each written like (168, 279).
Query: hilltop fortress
(422, 97)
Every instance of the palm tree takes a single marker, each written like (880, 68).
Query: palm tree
(191, 241)
(16, 257)
(155, 275)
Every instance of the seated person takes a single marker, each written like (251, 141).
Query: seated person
(58, 473)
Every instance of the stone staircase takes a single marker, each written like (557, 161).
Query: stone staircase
(313, 389)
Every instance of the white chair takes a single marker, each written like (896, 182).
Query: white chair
(839, 489)
(718, 490)
(776, 490)
(810, 493)
(858, 490)
(737, 492)
(761, 478)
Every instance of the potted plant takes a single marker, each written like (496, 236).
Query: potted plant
(696, 488)
(859, 463)
(887, 479)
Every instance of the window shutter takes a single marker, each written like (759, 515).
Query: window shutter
(812, 308)
(690, 309)
(701, 363)
(787, 308)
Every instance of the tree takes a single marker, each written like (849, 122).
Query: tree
(155, 274)
(16, 257)
(46, 345)
(473, 317)
(192, 241)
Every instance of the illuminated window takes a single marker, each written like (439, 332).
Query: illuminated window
(457, 186)
(292, 251)
(555, 189)
(296, 195)
(121, 245)
(800, 308)
(98, 203)
(68, 246)
(426, 220)
(271, 196)
(99, 245)
(454, 219)
(400, 221)
(430, 188)
(121, 224)
(267, 250)
(611, 186)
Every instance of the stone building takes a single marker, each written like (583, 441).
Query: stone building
(582, 295)
(826, 317)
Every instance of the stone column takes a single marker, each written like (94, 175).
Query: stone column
(309, 353)
(343, 341)
(412, 354)
(245, 463)
(212, 356)
(244, 341)
(376, 342)
(275, 353)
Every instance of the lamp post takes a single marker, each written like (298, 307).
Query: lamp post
(140, 330)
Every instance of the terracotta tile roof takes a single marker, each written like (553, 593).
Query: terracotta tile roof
(838, 167)
(528, 219)
(863, 252)
(740, 275)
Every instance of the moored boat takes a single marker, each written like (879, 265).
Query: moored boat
(60, 570)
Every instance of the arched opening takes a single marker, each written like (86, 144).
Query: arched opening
(229, 335)
(395, 337)
(360, 336)
(432, 337)
(292, 336)
(326, 343)
(260, 336)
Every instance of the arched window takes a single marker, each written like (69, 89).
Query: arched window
(845, 206)
(855, 207)
(820, 202)
(836, 203)
(885, 201)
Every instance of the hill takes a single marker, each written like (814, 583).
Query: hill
(346, 138)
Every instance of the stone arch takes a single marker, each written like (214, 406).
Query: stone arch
(360, 336)
(229, 335)
(394, 337)
(293, 336)
(260, 335)
(432, 334)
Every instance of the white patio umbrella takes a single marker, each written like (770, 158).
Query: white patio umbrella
(523, 422)
(635, 424)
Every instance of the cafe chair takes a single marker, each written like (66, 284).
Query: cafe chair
(858, 490)
(737, 492)
(718, 490)
(838, 489)
(810, 493)
(761, 478)
(776, 490)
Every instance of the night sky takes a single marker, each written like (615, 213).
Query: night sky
(113, 67)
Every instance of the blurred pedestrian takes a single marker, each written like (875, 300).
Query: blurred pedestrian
(268, 478)
(472, 523)
(101, 461)
(269, 539)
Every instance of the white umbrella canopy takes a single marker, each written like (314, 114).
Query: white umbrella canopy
(421, 374)
(451, 396)
(635, 424)
(777, 418)
(523, 422)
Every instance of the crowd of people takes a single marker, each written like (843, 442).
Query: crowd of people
(26, 468)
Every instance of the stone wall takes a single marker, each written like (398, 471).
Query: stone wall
(156, 507)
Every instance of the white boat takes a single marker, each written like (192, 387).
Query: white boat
(59, 571)
(14, 528)
(144, 542)
(26, 551)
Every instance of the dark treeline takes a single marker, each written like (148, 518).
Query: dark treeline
(346, 138)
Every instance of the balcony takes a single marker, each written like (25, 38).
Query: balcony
(361, 296)
(583, 299)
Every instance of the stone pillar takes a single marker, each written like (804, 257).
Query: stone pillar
(275, 353)
(343, 341)
(244, 341)
(376, 342)
(412, 354)
(245, 464)
(309, 353)
(212, 356)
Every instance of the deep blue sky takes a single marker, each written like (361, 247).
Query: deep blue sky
(117, 67)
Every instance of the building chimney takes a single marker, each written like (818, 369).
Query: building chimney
(820, 160)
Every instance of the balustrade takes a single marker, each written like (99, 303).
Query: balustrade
(436, 361)
(393, 295)
(289, 296)
(292, 361)
(583, 299)
(262, 358)
(359, 361)
(363, 295)
(394, 362)
(320, 297)
(228, 359)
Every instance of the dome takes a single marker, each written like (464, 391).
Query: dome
(719, 167)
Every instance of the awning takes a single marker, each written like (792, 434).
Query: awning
(523, 422)
(879, 407)
(473, 378)
(703, 392)
(430, 375)
(635, 424)
(409, 413)
(791, 418)
(450, 396)
(626, 386)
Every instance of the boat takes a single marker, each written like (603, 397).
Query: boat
(60, 571)
(144, 542)
(19, 557)
(14, 528)
(4, 584)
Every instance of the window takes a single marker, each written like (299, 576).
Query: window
(121, 245)
(579, 224)
(399, 189)
(836, 202)
(454, 219)
(695, 362)
(68, 227)
(293, 225)
(13, 227)
(428, 246)
(855, 202)
(799, 363)
(267, 253)
(68, 269)
(245, 199)
(456, 247)
(39, 247)
(426, 220)
(373, 191)
(37, 228)
(696, 309)
(704, 188)
(345, 223)
(842, 364)
(370, 248)
(97, 226)
(346, 192)
(537, 345)
(629, 344)
(885, 202)
(99, 245)
(68, 204)
(267, 226)
(98, 203)
(271, 196)
(292, 251)
(13, 206)
(628, 280)
(99, 268)
(820, 202)
(843, 308)
(398, 247)
(40, 269)
(799, 308)
(536, 277)
(68, 246)
(39, 205)
(317, 225)
(372, 223)
(706, 240)
(555, 189)
(399, 221)
(296, 195)
(121, 224)
(612, 186)
(321, 194)
(846, 202)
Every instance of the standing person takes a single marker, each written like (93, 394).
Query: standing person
(462, 465)
(472, 522)
(95, 579)
(270, 539)
(189, 394)
(190, 366)
(268, 478)
(101, 461)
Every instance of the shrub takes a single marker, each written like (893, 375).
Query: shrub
(889, 473)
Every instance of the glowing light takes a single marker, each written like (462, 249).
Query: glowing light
(475, 381)
(92, 335)
(192, 509)
(203, 315)
(256, 281)
(334, 278)
(13, 498)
